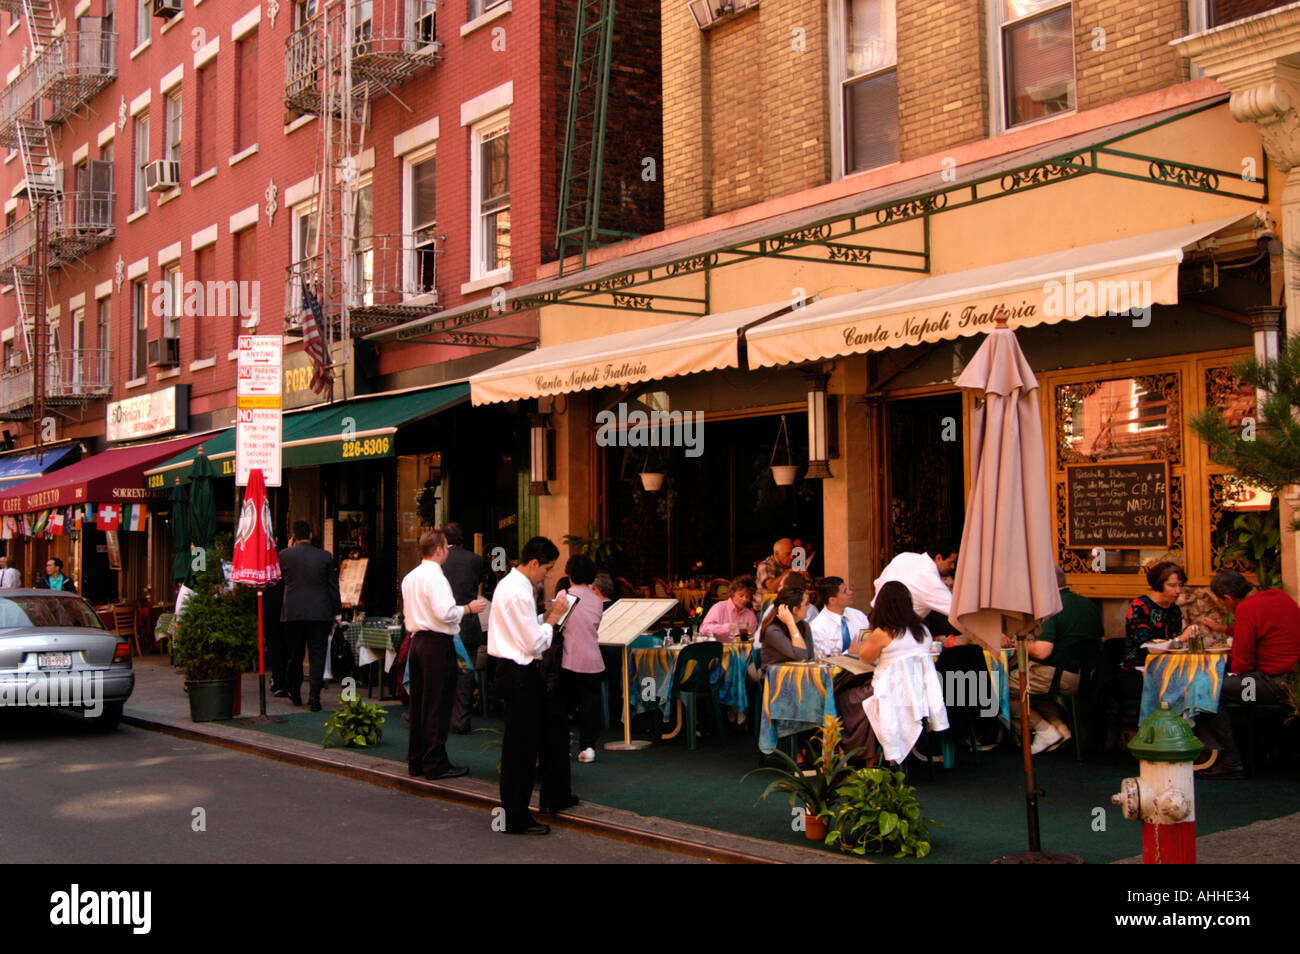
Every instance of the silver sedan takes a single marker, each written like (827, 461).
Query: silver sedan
(56, 653)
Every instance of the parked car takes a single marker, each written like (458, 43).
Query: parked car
(56, 653)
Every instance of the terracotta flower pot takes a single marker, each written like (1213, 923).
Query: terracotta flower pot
(783, 474)
(815, 827)
(651, 481)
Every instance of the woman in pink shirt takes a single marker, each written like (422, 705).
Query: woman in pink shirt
(582, 667)
(733, 611)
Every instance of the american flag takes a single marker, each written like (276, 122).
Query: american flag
(313, 339)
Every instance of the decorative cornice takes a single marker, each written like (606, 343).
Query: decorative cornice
(1272, 35)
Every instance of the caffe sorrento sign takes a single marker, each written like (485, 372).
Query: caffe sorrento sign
(148, 415)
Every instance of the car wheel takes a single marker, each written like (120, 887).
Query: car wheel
(108, 719)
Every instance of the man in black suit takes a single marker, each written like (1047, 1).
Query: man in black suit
(311, 601)
(464, 570)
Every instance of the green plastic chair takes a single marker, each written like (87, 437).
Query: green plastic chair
(692, 678)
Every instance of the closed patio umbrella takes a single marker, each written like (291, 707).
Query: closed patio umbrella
(180, 532)
(1006, 575)
(203, 503)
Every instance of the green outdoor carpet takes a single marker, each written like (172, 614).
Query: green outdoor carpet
(980, 807)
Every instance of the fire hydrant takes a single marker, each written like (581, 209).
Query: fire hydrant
(1163, 796)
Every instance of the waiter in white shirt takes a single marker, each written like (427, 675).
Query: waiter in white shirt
(433, 619)
(923, 574)
(837, 627)
(517, 639)
(10, 578)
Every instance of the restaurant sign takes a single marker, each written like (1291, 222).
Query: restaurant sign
(148, 415)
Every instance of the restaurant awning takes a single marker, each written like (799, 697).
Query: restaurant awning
(360, 429)
(628, 357)
(1066, 285)
(113, 476)
(29, 464)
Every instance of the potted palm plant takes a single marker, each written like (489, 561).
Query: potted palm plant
(216, 638)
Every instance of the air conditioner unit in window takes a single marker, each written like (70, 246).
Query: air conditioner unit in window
(161, 175)
(168, 8)
(164, 352)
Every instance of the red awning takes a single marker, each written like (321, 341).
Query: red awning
(114, 476)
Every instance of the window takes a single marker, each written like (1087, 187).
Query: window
(78, 345)
(173, 300)
(139, 327)
(302, 257)
(1037, 59)
(108, 40)
(205, 129)
(143, 21)
(479, 7)
(422, 219)
(246, 93)
(205, 270)
(104, 321)
(420, 22)
(173, 144)
(490, 240)
(303, 10)
(245, 271)
(870, 86)
(140, 200)
(363, 14)
(363, 249)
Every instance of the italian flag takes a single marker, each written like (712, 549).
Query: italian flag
(133, 516)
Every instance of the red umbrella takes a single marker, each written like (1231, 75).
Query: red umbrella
(255, 560)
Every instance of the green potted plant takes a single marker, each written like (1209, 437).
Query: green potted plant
(874, 810)
(1258, 541)
(357, 724)
(814, 788)
(600, 548)
(216, 639)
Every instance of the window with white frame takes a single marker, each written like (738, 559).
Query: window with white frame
(869, 95)
(479, 7)
(140, 139)
(173, 298)
(421, 215)
(143, 21)
(78, 355)
(303, 10)
(420, 22)
(363, 247)
(363, 15)
(302, 255)
(490, 198)
(1037, 58)
(139, 327)
(173, 145)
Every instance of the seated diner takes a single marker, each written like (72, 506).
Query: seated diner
(732, 618)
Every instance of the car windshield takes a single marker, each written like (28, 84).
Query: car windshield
(48, 611)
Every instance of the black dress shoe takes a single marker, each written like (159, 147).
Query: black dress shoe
(536, 828)
(314, 705)
(570, 802)
(414, 772)
(295, 698)
(451, 771)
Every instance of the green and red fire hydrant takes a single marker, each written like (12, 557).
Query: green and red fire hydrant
(1163, 796)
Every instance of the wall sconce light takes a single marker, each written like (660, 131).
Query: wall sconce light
(819, 421)
(538, 446)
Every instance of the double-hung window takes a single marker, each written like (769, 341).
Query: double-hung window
(479, 7)
(363, 247)
(139, 327)
(491, 198)
(303, 252)
(140, 198)
(870, 84)
(1037, 58)
(422, 219)
(143, 21)
(173, 144)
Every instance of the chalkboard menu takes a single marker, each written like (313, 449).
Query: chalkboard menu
(1118, 506)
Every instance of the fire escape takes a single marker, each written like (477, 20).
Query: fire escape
(336, 64)
(60, 75)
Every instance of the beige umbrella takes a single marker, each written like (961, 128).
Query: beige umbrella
(1006, 575)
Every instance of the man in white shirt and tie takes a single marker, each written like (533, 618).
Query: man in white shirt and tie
(10, 578)
(433, 619)
(923, 574)
(837, 627)
(517, 639)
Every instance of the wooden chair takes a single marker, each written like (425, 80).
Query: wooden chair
(719, 590)
(659, 589)
(626, 589)
(124, 624)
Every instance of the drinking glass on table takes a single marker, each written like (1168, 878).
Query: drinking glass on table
(733, 628)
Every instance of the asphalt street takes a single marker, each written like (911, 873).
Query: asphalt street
(72, 794)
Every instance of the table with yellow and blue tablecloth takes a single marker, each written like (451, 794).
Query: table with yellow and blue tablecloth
(650, 677)
(997, 666)
(796, 698)
(1189, 682)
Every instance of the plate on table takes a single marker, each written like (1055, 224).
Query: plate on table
(1219, 649)
(1162, 645)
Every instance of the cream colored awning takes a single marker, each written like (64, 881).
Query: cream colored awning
(1107, 278)
(628, 357)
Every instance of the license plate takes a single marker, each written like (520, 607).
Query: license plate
(54, 660)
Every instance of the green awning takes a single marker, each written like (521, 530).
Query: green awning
(361, 429)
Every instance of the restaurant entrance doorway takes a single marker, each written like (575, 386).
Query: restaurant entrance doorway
(925, 471)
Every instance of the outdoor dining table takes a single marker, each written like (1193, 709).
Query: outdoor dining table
(650, 676)
(998, 666)
(689, 597)
(1189, 682)
(377, 633)
(797, 696)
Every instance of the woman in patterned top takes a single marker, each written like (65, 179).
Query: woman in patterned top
(1154, 615)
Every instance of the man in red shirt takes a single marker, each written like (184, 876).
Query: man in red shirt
(1265, 645)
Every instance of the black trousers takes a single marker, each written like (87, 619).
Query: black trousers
(528, 730)
(581, 690)
(433, 682)
(465, 683)
(313, 635)
(276, 656)
(1215, 728)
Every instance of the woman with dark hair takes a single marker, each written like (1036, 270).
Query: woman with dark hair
(787, 637)
(581, 666)
(905, 687)
(1154, 615)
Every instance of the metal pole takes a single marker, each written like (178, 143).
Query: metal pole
(1031, 784)
(261, 659)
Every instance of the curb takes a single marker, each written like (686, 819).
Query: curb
(619, 824)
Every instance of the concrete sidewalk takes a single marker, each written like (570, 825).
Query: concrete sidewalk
(159, 703)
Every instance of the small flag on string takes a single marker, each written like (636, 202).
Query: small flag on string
(8, 527)
(38, 524)
(108, 517)
(134, 520)
(25, 525)
(57, 520)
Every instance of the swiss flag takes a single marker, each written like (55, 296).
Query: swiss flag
(108, 517)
